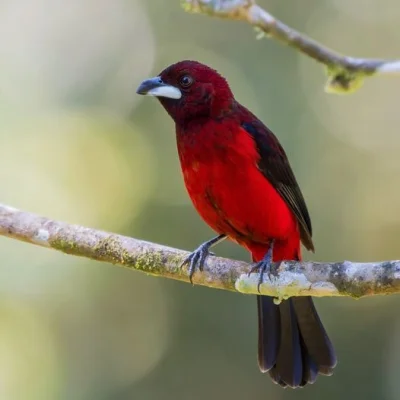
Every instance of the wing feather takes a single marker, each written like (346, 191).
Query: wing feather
(275, 166)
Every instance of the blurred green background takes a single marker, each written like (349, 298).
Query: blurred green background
(79, 145)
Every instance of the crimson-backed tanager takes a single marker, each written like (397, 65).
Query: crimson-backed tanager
(241, 183)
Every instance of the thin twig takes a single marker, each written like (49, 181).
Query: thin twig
(294, 279)
(345, 74)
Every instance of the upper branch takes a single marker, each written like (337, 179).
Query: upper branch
(345, 74)
(295, 278)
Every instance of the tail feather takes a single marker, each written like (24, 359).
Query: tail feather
(268, 332)
(310, 368)
(289, 362)
(276, 378)
(315, 338)
(293, 345)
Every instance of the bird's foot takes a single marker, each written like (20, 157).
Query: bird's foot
(265, 266)
(198, 257)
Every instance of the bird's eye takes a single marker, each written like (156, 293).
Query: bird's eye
(185, 81)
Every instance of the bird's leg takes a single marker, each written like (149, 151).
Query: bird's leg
(198, 257)
(265, 266)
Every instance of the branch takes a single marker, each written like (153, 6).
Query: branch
(345, 74)
(295, 278)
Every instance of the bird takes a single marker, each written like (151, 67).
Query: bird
(241, 183)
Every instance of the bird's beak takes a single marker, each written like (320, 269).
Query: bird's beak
(156, 87)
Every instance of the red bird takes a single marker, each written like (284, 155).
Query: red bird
(241, 183)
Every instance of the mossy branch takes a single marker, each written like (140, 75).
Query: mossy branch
(294, 279)
(345, 74)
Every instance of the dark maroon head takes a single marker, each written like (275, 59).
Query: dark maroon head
(188, 90)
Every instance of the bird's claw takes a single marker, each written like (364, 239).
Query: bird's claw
(198, 257)
(265, 266)
(196, 260)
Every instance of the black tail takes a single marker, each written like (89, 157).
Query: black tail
(293, 345)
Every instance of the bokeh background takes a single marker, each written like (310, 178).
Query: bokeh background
(78, 144)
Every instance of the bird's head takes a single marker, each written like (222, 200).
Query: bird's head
(189, 90)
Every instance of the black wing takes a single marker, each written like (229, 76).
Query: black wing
(275, 166)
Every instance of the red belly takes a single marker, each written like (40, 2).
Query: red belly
(231, 194)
